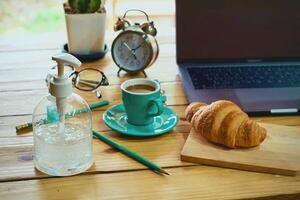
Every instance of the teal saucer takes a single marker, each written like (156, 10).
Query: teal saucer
(116, 119)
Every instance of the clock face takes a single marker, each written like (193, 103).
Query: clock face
(131, 51)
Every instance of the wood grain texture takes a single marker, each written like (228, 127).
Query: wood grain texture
(23, 102)
(42, 59)
(278, 154)
(8, 123)
(37, 42)
(17, 164)
(23, 69)
(24, 60)
(198, 182)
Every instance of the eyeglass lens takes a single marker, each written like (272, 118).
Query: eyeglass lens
(88, 79)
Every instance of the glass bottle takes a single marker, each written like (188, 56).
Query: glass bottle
(62, 127)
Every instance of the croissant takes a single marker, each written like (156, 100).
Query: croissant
(223, 122)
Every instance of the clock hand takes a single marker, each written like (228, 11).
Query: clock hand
(138, 46)
(126, 45)
(131, 50)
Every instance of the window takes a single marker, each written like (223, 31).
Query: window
(47, 15)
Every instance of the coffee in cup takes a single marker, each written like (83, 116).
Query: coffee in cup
(140, 88)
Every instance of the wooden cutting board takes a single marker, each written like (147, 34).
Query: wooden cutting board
(278, 154)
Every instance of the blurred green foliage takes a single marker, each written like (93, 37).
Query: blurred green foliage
(49, 20)
(21, 16)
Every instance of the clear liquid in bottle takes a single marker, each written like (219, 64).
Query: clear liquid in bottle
(62, 154)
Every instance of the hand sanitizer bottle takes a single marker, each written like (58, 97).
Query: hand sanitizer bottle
(62, 126)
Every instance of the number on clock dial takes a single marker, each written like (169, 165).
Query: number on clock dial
(131, 52)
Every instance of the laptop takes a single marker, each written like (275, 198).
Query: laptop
(246, 51)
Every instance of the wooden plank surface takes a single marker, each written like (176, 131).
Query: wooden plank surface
(279, 153)
(16, 152)
(197, 182)
(37, 41)
(8, 123)
(16, 155)
(23, 102)
(23, 69)
(24, 60)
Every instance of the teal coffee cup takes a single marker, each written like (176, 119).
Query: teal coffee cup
(142, 100)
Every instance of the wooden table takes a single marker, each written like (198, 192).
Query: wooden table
(24, 62)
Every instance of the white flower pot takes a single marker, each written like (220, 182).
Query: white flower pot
(85, 32)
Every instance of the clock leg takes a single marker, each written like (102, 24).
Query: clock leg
(144, 73)
(119, 72)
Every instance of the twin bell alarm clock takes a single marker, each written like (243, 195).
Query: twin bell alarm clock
(135, 48)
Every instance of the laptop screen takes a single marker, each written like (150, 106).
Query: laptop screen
(237, 30)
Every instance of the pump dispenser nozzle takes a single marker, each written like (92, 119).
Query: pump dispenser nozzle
(65, 58)
(61, 85)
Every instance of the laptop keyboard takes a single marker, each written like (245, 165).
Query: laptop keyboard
(245, 77)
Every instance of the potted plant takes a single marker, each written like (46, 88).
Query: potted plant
(85, 21)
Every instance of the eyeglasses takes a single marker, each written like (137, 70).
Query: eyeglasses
(88, 79)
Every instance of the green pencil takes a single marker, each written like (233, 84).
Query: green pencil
(76, 112)
(130, 153)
